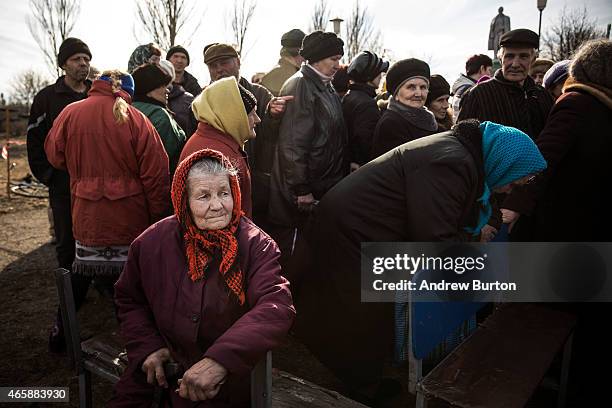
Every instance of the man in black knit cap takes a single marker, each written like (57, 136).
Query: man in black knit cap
(74, 58)
(179, 57)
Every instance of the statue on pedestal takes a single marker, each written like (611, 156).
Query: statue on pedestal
(499, 25)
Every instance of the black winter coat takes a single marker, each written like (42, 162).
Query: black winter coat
(311, 153)
(425, 190)
(47, 105)
(190, 84)
(507, 103)
(179, 102)
(394, 130)
(361, 115)
(568, 198)
(260, 151)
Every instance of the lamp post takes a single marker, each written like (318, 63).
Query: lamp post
(336, 22)
(541, 7)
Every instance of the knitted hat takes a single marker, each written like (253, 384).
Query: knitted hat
(556, 74)
(541, 65)
(520, 37)
(175, 49)
(168, 69)
(437, 88)
(248, 99)
(293, 38)
(404, 70)
(508, 155)
(142, 55)
(217, 51)
(366, 66)
(319, 45)
(592, 63)
(127, 82)
(69, 47)
(148, 77)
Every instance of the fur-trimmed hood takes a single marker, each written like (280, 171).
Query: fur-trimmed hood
(604, 95)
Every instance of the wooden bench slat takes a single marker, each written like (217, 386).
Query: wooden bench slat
(503, 361)
(289, 391)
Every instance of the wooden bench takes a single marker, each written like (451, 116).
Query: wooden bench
(502, 363)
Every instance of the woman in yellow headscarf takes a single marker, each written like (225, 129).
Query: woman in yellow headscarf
(227, 117)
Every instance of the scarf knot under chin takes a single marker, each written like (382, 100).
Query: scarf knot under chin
(201, 246)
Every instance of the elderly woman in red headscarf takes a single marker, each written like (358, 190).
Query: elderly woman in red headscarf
(202, 288)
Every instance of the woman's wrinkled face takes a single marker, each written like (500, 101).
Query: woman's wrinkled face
(413, 92)
(210, 201)
(328, 66)
(253, 121)
(507, 188)
(439, 107)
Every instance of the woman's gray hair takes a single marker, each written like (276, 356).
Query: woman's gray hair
(207, 167)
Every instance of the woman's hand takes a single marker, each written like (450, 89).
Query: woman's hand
(509, 217)
(278, 105)
(487, 233)
(202, 381)
(153, 366)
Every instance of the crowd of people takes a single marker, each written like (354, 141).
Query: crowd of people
(199, 205)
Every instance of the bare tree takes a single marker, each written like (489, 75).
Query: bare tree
(320, 16)
(51, 23)
(25, 86)
(572, 29)
(163, 20)
(361, 33)
(240, 18)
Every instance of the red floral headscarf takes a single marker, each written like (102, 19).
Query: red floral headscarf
(201, 244)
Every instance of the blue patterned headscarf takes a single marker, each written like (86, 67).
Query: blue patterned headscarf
(508, 155)
(127, 82)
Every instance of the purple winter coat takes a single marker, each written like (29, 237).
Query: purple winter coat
(159, 306)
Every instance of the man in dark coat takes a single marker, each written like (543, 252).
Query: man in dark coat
(511, 98)
(568, 202)
(361, 113)
(74, 57)
(430, 189)
(223, 61)
(567, 199)
(179, 57)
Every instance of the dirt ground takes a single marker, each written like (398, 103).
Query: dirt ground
(29, 299)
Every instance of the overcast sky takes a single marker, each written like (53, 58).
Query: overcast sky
(443, 32)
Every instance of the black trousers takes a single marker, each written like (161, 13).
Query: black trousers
(65, 246)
